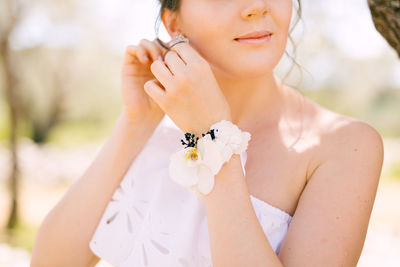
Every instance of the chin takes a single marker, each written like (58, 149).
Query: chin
(252, 73)
(253, 67)
(241, 72)
(239, 67)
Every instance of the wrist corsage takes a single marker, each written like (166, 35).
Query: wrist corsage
(196, 165)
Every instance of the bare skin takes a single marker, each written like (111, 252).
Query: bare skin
(320, 167)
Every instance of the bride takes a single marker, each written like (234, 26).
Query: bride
(300, 195)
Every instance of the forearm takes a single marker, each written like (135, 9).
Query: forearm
(236, 236)
(63, 238)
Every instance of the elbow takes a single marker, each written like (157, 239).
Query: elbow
(46, 253)
(50, 253)
(38, 258)
(42, 256)
(38, 261)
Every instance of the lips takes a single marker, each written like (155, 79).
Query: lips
(255, 35)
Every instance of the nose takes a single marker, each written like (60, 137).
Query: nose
(257, 8)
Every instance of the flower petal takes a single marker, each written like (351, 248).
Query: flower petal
(246, 136)
(196, 192)
(210, 153)
(182, 171)
(206, 180)
(230, 135)
(226, 152)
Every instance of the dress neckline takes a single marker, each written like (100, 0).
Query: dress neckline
(271, 207)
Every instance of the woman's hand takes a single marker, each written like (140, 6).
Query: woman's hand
(187, 90)
(137, 105)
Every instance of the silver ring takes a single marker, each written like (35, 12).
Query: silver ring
(179, 39)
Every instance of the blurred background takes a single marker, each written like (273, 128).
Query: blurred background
(60, 98)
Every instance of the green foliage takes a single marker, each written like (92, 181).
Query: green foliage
(72, 133)
(24, 128)
(4, 121)
(380, 109)
(22, 235)
(384, 111)
(394, 172)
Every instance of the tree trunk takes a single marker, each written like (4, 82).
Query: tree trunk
(10, 83)
(386, 17)
(11, 10)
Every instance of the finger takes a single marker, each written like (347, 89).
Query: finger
(156, 92)
(138, 52)
(130, 55)
(151, 49)
(162, 73)
(162, 48)
(174, 62)
(187, 52)
(129, 59)
(129, 70)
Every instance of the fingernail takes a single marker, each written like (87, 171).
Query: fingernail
(160, 57)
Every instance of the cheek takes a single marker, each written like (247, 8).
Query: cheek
(283, 18)
(212, 37)
(210, 34)
(283, 14)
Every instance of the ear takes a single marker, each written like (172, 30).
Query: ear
(170, 21)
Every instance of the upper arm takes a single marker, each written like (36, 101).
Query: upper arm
(331, 220)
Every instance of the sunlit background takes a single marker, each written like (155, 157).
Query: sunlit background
(69, 53)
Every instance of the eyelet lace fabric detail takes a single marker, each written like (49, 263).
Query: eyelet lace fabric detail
(151, 221)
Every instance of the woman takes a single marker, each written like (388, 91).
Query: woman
(305, 167)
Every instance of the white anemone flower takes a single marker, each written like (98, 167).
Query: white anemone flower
(197, 166)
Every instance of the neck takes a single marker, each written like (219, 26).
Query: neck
(252, 100)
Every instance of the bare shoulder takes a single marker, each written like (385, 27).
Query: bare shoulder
(337, 137)
(343, 137)
(338, 131)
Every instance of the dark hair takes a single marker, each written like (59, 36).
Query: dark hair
(174, 5)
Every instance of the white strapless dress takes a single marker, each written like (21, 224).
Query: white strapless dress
(152, 221)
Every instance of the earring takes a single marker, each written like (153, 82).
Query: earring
(178, 39)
